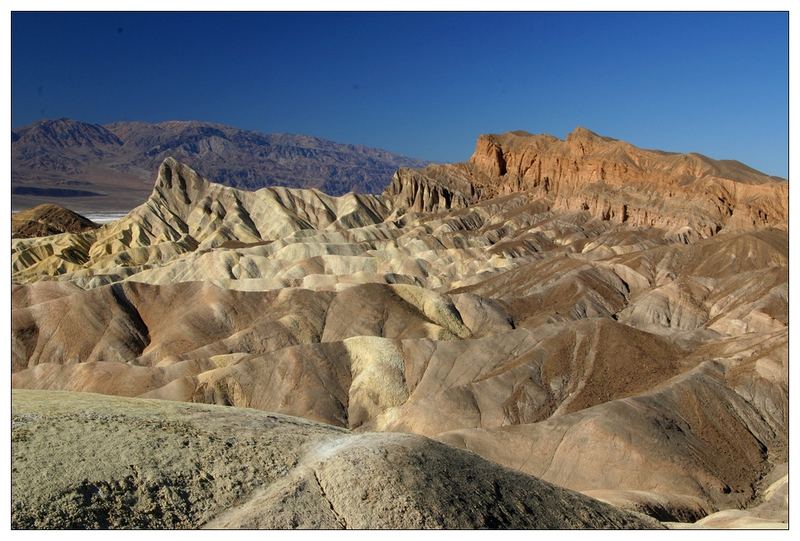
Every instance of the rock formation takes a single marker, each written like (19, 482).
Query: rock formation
(689, 194)
(607, 319)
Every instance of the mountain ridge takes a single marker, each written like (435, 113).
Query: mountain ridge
(103, 166)
(607, 177)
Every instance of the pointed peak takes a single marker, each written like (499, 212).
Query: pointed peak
(583, 133)
(168, 169)
(179, 179)
(170, 165)
(586, 139)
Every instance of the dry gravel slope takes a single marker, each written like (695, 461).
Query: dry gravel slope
(91, 461)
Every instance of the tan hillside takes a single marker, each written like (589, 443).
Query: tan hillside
(154, 464)
(608, 319)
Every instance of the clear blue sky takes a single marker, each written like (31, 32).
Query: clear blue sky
(423, 84)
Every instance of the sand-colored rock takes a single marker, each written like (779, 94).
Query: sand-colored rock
(770, 514)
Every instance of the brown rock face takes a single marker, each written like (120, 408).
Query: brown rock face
(688, 194)
(415, 191)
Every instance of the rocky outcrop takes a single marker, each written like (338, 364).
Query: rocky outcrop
(431, 189)
(186, 212)
(690, 195)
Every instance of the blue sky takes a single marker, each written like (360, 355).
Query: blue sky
(421, 84)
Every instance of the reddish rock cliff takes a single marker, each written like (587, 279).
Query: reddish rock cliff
(689, 194)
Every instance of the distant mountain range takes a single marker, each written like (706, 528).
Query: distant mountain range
(113, 166)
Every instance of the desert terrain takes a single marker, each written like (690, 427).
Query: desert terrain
(573, 333)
